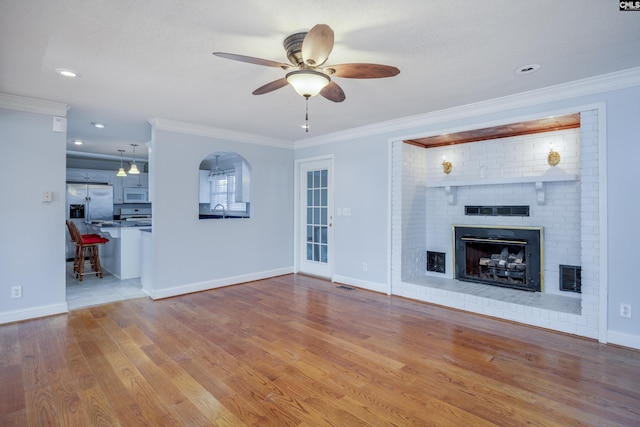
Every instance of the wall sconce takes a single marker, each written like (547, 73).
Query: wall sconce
(553, 158)
(446, 166)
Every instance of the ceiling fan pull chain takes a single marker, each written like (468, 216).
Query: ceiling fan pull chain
(306, 114)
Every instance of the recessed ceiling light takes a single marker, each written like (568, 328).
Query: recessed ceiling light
(67, 72)
(527, 69)
(77, 142)
(98, 125)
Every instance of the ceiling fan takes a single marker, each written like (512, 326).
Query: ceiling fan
(307, 52)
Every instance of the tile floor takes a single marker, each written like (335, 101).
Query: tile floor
(95, 291)
(560, 303)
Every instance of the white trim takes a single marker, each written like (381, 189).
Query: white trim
(218, 283)
(33, 105)
(389, 290)
(364, 284)
(33, 312)
(493, 181)
(603, 222)
(562, 92)
(212, 132)
(627, 340)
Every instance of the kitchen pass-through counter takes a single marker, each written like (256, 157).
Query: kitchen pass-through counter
(122, 255)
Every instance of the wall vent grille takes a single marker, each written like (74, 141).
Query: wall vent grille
(436, 262)
(570, 278)
(496, 210)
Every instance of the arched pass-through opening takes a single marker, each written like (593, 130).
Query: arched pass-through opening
(224, 186)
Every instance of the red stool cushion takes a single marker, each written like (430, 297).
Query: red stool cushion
(91, 240)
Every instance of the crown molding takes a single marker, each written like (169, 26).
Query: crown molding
(33, 105)
(208, 131)
(583, 87)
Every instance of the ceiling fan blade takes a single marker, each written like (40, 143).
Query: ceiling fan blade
(317, 45)
(252, 60)
(270, 87)
(333, 92)
(361, 71)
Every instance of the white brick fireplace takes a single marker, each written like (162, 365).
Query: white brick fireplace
(564, 200)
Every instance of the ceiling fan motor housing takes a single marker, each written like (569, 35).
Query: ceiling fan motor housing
(293, 47)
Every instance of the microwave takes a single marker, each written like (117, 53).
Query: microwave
(136, 195)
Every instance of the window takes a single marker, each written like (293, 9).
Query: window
(223, 192)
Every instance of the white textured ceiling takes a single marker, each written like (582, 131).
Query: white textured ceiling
(140, 59)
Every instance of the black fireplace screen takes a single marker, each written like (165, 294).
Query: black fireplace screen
(501, 256)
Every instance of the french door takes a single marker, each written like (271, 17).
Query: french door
(315, 215)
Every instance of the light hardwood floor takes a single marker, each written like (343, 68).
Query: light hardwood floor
(299, 351)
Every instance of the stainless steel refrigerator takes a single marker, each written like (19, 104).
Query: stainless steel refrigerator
(87, 202)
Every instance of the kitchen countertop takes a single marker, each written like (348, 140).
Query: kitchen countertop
(219, 216)
(122, 224)
(120, 256)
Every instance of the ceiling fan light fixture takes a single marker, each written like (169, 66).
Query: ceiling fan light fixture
(307, 83)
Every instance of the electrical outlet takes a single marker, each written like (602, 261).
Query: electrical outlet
(625, 310)
(364, 266)
(16, 292)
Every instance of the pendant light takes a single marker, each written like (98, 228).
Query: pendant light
(134, 168)
(216, 171)
(121, 171)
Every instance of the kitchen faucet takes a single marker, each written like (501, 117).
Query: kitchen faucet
(223, 210)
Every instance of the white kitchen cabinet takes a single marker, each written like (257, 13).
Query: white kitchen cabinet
(243, 183)
(121, 255)
(90, 176)
(205, 187)
(118, 195)
(109, 177)
(138, 180)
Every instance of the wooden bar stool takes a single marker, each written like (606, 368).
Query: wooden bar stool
(86, 244)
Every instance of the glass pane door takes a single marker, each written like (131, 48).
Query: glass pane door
(315, 218)
(317, 215)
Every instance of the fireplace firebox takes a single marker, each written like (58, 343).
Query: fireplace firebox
(502, 256)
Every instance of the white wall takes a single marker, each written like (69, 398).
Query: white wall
(192, 254)
(32, 232)
(360, 184)
(623, 154)
(413, 211)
